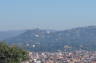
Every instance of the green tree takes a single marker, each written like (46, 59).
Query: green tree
(11, 54)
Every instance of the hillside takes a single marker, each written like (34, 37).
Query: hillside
(9, 34)
(46, 40)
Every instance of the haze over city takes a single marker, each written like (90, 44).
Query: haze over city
(47, 31)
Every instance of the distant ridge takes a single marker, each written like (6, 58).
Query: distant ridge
(9, 34)
(46, 40)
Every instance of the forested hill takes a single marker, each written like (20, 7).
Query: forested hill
(48, 40)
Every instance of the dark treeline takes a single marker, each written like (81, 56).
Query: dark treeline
(11, 54)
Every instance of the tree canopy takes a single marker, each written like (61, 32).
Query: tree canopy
(11, 54)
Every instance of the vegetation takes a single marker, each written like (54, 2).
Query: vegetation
(11, 54)
(46, 40)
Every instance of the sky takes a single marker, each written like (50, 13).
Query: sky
(46, 14)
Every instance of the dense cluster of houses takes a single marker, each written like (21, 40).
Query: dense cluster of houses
(62, 57)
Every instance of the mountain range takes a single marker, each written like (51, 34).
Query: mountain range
(53, 40)
(9, 34)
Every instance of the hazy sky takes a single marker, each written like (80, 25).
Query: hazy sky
(46, 14)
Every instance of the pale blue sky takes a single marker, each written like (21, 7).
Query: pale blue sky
(46, 14)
